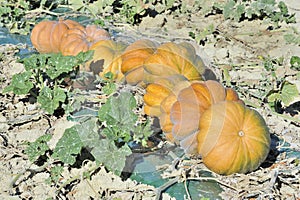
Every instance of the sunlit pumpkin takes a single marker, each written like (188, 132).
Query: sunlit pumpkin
(191, 102)
(46, 35)
(232, 138)
(107, 58)
(80, 39)
(156, 92)
(171, 58)
(231, 95)
(133, 60)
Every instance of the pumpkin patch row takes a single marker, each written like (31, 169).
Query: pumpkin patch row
(200, 115)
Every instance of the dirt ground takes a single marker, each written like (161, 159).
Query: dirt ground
(241, 44)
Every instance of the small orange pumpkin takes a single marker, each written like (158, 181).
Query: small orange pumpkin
(232, 138)
(158, 91)
(80, 39)
(107, 58)
(171, 58)
(46, 35)
(133, 60)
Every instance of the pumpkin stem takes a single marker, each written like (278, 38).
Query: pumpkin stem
(241, 133)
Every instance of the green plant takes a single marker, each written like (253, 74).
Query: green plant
(110, 86)
(12, 16)
(295, 63)
(37, 148)
(286, 94)
(201, 35)
(238, 10)
(131, 8)
(108, 143)
(18, 15)
(45, 78)
(292, 38)
(94, 8)
(278, 91)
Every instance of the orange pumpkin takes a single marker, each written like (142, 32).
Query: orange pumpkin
(171, 58)
(107, 58)
(232, 138)
(133, 60)
(46, 35)
(231, 95)
(158, 91)
(186, 112)
(80, 39)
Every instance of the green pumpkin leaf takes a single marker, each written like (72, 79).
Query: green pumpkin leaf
(38, 147)
(118, 115)
(61, 64)
(289, 93)
(295, 63)
(20, 83)
(119, 110)
(111, 156)
(68, 146)
(88, 133)
(50, 99)
(35, 61)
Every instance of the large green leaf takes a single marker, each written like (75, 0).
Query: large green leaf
(88, 133)
(68, 146)
(112, 157)
(118, 110)
(118, 115)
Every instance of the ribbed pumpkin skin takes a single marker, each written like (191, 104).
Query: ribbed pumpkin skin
(133, 60)
(95, 34)
(171, 58)
(80, 39)
(107, 58)
(191, 103)
(231, 95)
(232, 138)
(46, 35)
(156, 93)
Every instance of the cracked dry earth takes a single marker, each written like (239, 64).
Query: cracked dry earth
(235, 48)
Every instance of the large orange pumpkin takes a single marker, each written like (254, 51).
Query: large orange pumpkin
(232, 138)
(107, 58)
(171, 58)
(191, 102)
(46, 35)
(80, 39)
(133, 60)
